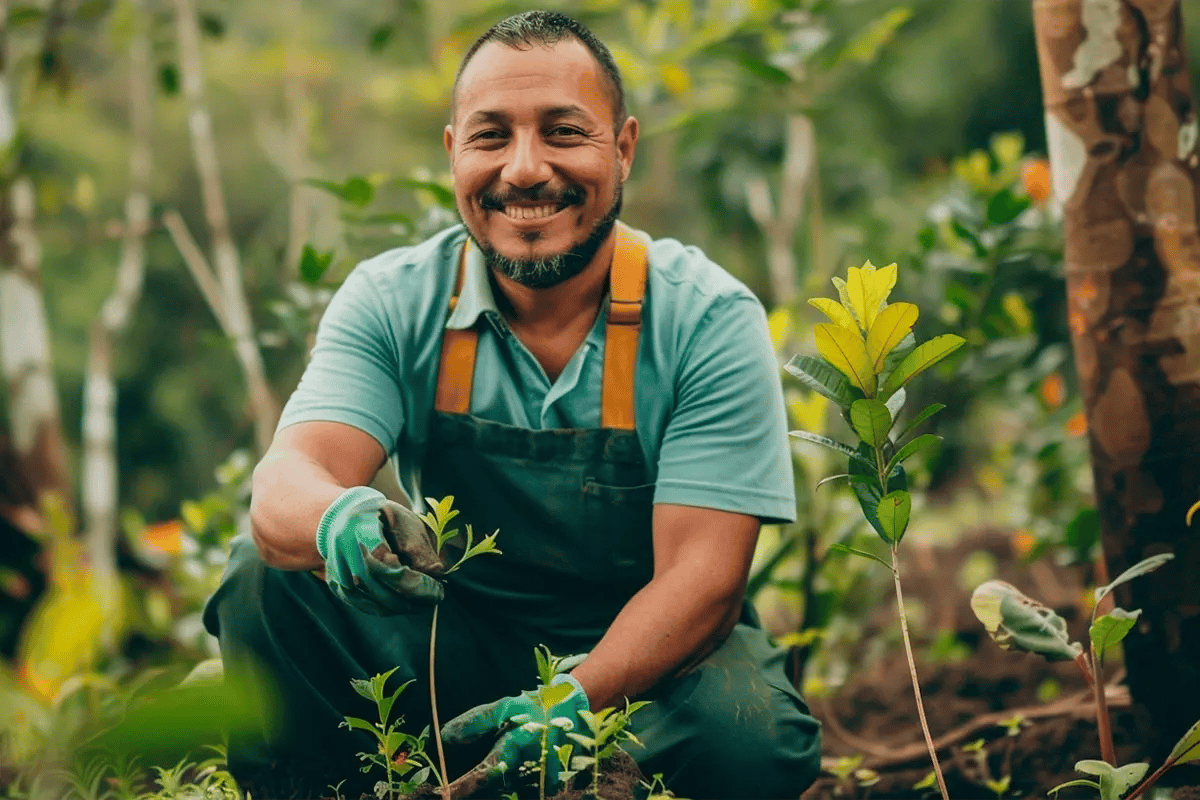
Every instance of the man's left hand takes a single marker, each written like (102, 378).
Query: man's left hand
(521, 722)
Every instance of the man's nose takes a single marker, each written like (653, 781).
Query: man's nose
(526, 165)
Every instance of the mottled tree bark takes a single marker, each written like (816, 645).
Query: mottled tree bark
(1122, 130)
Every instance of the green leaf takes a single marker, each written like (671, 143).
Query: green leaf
(1114, 781)
(925, 414)
(550, 696)
(1005, 206)
(871, 421)
(24, 14)
(1016, 621)
(847, 352)
(894, 509)
(564, 755)
(441, 194)
(890, 327)
(895, 404)
(921, 359)
(355, 191)
(313, 264)
(928, 782)
(1111, 629)
(965, 233)
(362, 687)
(761, 69)
(845, 548)
(1187, 749)
(833, 444)
(911, 449)
(380, 37)
(864, 482)
(822, 378)
(1137, 570)
(1077, 782)
(361, 725)
(864, 48)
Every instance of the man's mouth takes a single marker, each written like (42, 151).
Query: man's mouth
(531, 212)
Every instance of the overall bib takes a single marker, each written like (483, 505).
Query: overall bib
(573, 510)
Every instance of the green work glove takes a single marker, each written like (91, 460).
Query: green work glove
(380, 557)
(521, 721)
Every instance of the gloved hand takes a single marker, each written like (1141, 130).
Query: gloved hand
(519, 722)
(380, 557)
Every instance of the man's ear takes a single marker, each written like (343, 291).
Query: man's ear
(626, 145)
(448, 142)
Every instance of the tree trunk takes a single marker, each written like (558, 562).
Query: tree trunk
(779, 225)
(233, 310)
(99, 485)
(1122, 130)
(33, 409)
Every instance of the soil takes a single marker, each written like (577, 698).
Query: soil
(966, 701)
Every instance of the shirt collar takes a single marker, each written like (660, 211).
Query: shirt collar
(476, 297)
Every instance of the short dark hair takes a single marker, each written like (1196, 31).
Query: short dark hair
(547, 28)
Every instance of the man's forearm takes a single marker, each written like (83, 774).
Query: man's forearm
(290, 494)
(664, 627)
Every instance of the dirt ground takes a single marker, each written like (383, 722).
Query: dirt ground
(967, 701)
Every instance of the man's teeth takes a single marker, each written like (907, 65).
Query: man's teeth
(529, 212)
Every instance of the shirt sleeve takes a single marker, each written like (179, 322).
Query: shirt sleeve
(353, 375)
(725, 445)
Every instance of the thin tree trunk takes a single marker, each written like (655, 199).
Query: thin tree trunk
(99, 486)
(779, 226)
(296, 121)
(1121, 123)
(234, 311)
(24, 333)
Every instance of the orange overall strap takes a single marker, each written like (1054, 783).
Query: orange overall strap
(627, 287)
(457, 368)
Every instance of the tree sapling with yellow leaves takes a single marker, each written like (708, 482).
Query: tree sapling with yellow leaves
(867, 354)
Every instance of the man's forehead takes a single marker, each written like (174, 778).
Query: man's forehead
(566, 61)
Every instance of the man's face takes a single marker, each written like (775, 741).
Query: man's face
(536, 166)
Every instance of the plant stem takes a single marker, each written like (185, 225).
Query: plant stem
(542, 771)
(912, 670)
(1103, 726)
(437, 728)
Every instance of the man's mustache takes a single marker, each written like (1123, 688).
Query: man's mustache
(496, 201)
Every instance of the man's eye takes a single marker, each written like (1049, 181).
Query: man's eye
(565, 130)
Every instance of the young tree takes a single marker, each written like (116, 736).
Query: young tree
(1121, 123)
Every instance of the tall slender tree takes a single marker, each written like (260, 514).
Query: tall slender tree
(1121, 123)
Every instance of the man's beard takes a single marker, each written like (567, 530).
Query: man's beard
(542, 273)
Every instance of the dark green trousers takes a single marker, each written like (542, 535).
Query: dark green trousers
(731, 727)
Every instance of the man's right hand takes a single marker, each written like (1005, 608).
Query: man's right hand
(380, 557)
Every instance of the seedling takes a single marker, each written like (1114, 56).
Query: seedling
(607, 729)
(397, 752)
(438, 519)
(867, 355)
(1016, 621)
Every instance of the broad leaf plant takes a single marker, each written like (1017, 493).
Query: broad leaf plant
(867, 354)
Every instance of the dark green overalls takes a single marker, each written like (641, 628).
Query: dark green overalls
(573, 508)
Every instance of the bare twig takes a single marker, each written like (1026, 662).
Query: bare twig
(197, 264)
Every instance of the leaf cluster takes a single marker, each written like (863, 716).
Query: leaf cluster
(438, 519)
(867, 354)
(398, 753)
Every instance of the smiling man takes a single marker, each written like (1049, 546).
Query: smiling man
(610, 404)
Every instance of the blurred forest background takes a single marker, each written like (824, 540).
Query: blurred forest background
(788, 139)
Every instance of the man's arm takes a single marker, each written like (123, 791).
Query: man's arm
(701, 563)
(307, 467)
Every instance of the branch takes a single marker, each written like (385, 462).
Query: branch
(197, 264)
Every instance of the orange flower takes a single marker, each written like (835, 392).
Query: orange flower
(1035, 177)
(1022, 542)
(165, 537)
(1077, 424)
(1054, 390)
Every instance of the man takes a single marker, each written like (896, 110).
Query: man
(620, 423)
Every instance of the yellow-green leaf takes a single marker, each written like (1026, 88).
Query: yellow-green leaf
(921, 359)
(890, 327)
(868, 288)
(779, 324)
(1192, 512)
(837, 313)
(847, 352)
(553, 695)
(1187, 749)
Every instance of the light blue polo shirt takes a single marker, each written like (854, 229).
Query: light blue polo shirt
(709, 404)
